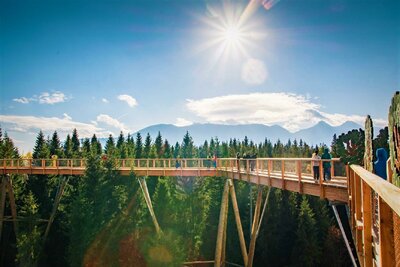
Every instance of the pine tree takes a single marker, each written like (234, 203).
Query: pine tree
(86, 148)
(95, 145)
(68, 147)
(75, 143)
(8, 149)
(41, 150)
(138, 146)
(306, 251)
(167, 150)
(147, 146)
(176, 150)
(55, 145)
(109, 148)
(158, 143)
(187, 146)
(121, 146)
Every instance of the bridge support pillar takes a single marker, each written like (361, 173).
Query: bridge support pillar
(60, 191)
(147, 198)
(222, 227)
(6, 185)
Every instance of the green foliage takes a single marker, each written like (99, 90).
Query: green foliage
(41, 149)
(368, 153)
(350, 147)
(306, 250)
(394, 137)
(28, 239)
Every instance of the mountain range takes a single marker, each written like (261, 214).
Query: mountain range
(315, 135)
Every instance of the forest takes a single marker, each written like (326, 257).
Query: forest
(102, 219)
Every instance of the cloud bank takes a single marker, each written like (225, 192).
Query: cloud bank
(291, 111)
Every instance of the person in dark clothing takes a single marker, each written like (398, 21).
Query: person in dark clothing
(326, 164)
(380, 163)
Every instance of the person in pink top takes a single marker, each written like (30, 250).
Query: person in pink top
(315, 163)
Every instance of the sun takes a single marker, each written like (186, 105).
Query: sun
(232, 35)
(231, 32)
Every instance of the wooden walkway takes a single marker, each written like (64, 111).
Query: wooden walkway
(373, 202)
(293, 174)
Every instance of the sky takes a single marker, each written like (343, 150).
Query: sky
(109, 66)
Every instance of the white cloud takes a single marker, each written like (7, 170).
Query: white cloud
(291, 111)
(22, 100)
(254, 72)
(105, 100)
(112, 122)
(44, 98)
(181, 122)
(63, 125)
(52, 98)
(128, 99)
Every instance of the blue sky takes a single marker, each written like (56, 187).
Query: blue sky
(106, 66)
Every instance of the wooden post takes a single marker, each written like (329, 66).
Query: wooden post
(13, 206)
(238, 222)
(299, 176)
(252, 246)
(332, 169)
(3, 202)
(321, 178)
(386, 242)
(223, 258)
(367, 223)
(147, 198)
(358, 232)
(221, 226)
(57, 200)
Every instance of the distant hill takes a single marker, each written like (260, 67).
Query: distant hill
(319, 133)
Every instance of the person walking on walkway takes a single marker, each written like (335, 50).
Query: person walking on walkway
(315, 164)
(327, 164)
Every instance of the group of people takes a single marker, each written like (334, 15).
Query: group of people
(251, 157)
(326, 164)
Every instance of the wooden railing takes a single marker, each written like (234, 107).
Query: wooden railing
(373, 202)
(295, 166)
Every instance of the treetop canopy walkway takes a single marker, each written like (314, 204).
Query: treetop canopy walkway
(293, 174)
(373, 202)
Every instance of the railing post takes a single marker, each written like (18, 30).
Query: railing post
(299, 176)
(386, 241)
(358, 232)
(332, 169)
(321, 178)
(367, 223)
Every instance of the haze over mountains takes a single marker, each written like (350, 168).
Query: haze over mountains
(319, 133)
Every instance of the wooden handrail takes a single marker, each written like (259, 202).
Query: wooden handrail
(387, 191)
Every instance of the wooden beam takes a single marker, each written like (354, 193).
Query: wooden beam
(12, 205)
(147, 198)
(367, 223)
(221, 226)
(238, 222)
(387, 191)
(386, 242)
(253, 239)
(57, 200)
(359, 244)
(3, 202)
(223, 258)
(263, 211)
